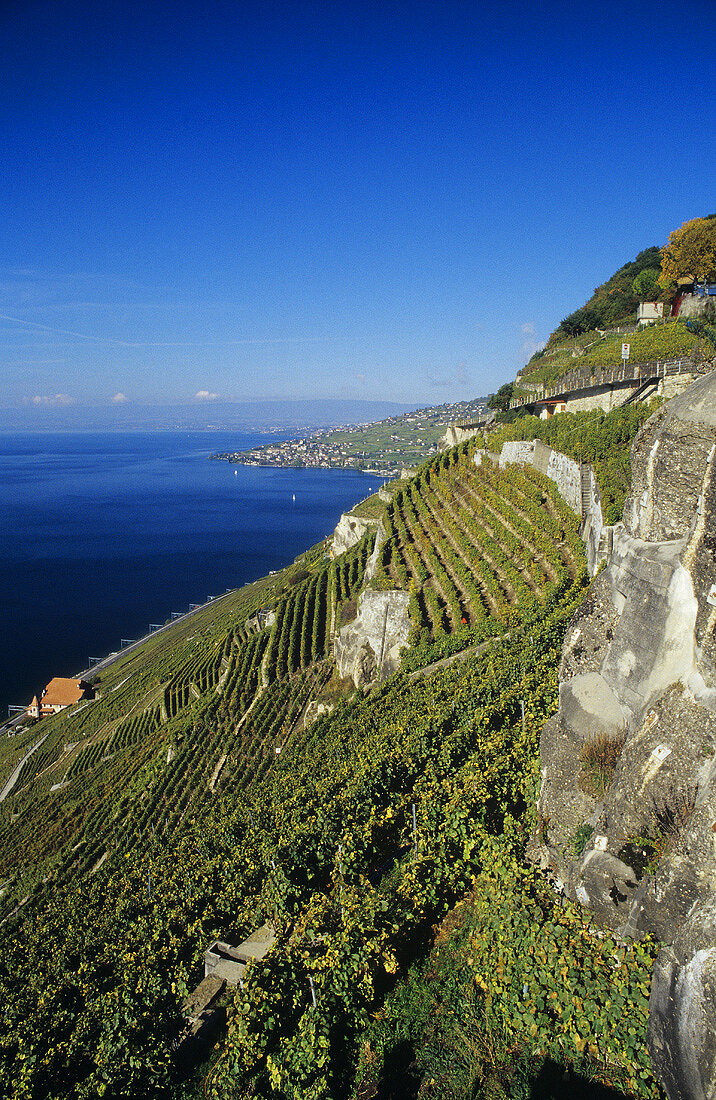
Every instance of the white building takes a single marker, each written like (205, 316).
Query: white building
(649, 312)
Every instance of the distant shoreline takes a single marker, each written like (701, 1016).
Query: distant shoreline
(236, 460)
(141, 525)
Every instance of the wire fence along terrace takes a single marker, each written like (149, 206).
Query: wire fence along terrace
(593, 377)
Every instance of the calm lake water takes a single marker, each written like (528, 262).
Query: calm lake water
(104, 533)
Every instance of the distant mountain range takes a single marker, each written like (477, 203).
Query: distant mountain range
(197, 416)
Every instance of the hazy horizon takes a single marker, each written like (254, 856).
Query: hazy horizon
(259, 415)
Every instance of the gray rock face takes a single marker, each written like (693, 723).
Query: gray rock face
(671, 456)
(653, 644)
(314, 710)
(636, 840)
(369, 648)
(682, 1009)
(348, 533)
(372, 563)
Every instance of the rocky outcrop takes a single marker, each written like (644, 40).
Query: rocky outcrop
(627, 806)
(348, 533)
(372, 563)
(369, 648)
(682, 1022)
(315, 710)
(457, 433)
(454, 435)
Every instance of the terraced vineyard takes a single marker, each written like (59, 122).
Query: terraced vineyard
(216, 708)
(100, 755)
(174, 724)
(195, 797)
(473, 542)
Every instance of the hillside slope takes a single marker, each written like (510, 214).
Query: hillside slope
(386, 446)
(194, 801)
(592, 336)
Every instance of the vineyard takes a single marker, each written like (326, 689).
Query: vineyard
(192, 800)
(472, 542)
(222, 700)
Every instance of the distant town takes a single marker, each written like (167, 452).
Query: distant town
(385, 447)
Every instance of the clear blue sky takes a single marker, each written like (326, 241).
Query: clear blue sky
(376, 200)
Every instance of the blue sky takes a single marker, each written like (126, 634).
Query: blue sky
(367, 200)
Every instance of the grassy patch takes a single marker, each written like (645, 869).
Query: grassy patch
(598, 757)
(581, 839)
(665, 340)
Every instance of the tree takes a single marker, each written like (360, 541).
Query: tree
(501, 399)
(582, 320)
(690, 250)
(645, 283)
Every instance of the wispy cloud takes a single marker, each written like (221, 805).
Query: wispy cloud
(205, 395)
(120, 398)
(114, 341)
(531, 342)
(50, 400)
(458, 377)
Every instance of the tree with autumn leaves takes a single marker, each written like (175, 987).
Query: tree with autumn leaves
(690, 251)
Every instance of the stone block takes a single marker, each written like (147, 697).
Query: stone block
(369, 648)
(348, 533)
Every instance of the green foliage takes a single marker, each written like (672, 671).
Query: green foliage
(582, 320)
(319, 838)
(669, 339)
(515, 982)
(446, 744)
(611, 302)
(665, 340)
(501, 399)
(601, 439)
(646, 283)
(704, 326)
(581, 838)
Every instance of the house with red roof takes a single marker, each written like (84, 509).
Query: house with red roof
(61, 692)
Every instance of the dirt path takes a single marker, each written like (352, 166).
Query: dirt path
(15, 774)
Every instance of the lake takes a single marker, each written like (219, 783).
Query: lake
(104, 533)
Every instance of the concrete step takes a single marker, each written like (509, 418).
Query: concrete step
(228, 961)
(258, 944)
(201, 999)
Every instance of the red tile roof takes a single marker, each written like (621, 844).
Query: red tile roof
(61, 692)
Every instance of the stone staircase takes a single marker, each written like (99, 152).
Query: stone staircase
(204, 1008)
(585, 482)
(223, 960)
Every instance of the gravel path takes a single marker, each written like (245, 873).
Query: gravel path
(14, 775)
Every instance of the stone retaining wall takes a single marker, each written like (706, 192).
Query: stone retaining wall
(577, 485)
